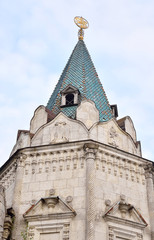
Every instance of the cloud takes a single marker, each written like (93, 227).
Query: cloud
(36, 40)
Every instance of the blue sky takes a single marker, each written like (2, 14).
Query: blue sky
(36, 40)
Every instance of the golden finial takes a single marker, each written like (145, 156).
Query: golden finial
(82, 24)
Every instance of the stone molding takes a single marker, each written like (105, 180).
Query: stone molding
(8, 176)
(54, 161)
(115, 232)
(60, 228)
(68, 159)
(118, 166)
(112, 137)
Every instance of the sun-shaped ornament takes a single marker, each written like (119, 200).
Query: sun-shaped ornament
(82, 24)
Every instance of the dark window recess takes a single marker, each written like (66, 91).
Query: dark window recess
(69, 99)
(114, 110)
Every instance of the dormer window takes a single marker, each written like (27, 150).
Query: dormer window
(69, 96)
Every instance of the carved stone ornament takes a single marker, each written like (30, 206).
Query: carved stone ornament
(61, 132)
(149, 170)
(31, 233)
(125, 214)
(7, 227)
(99, 215)
(52, 192)
(90, 149)
(8, 224)
(124, 208)
(51, 206)
(20, 159)
(123, 198)
(69, 199)
(111, 233)
(45, 221)
(51, 202)
(129, 227)
(108, 203)
(112, 137)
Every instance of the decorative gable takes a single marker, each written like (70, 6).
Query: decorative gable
(87, 113)
(49, 208)
(126, 214)
(40, 118)
(49, 218)
(124, 221)
(60, 129)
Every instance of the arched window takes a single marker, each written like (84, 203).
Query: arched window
(69, 99)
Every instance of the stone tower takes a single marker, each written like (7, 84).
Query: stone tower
(78, 172)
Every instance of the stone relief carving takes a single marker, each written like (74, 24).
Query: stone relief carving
(8, 224)
(112, 137)
(66, 231)
(98, 216)
(61, 132)
(107, 204)
(8, 177)
(139, 236)
(124, 220)
(111, 233)
(124, 207)
(69, 199)
(52, 192)
(124, 213)
(31, 233)
(51, 201)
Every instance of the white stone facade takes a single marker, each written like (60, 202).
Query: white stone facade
(77, 179)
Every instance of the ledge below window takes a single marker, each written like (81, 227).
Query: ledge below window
(63, 106)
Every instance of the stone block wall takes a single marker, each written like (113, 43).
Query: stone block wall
(90, 178)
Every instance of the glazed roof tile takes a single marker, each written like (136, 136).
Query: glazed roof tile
(80, 72)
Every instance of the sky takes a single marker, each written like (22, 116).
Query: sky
(36, 40)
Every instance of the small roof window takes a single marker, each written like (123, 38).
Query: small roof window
(69, 96)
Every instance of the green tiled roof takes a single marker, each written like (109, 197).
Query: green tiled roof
(80, 72)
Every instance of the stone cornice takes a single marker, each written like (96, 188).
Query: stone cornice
(66, 147)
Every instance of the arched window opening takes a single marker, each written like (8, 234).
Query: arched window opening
(69, 99)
